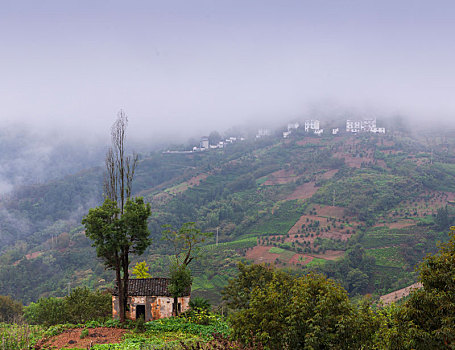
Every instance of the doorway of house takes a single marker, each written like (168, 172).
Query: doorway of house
(140, 312)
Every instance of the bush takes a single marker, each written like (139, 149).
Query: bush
(46, 311)
(81, 306)
(200, 303)
(10, 310)
(84, 333)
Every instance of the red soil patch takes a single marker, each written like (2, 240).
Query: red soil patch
(327, 228)
(260, 254)
(161, 198)
(330, 255)
(280, 177)
(399, 224)
(428, 203)
(300, 259)
(194, 181)
(386, 143)
(354, 162)
(306, 258)
(308, 140)
(71, 338)
(390, 151)
(398, 294)
(328, 210)
(33, 255)
(329, 174)
(381, 163)
(303, 191)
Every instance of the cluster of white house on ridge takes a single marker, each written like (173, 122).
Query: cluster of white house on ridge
(263, 132)
(352, 126)
(312, 125)
(365, 125)
(204, 144)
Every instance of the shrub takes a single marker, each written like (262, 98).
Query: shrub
(10, 309)
(200, 303)
(82, 305)
(84, 333)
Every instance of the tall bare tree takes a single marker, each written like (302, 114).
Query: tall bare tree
(119, 167)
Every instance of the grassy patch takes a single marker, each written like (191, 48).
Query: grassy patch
(389, 256)
(316, 262)
(241, 243)
(261, 180)
(283, 218)
(276, 250)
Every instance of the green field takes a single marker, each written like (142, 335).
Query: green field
(389, 257)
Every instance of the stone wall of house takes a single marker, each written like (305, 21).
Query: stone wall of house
(155, 307)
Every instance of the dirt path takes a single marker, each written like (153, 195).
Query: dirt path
(71, 338)
(398, 294)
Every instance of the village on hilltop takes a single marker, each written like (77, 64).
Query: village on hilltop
(367, 125)
(310, 126)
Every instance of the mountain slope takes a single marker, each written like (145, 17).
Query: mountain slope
(360, 208)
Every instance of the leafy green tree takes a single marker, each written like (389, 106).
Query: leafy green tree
(427, 319)
(46, 311)
(186, 243)
(239, 290)
(116, 237)
(141, 270)
(10, 309)
(442, 218)
(118, 228)
(309, 312)
(180, 283)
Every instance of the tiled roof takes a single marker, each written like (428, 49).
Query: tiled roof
(148, 287)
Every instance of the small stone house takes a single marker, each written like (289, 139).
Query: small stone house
(149, 297)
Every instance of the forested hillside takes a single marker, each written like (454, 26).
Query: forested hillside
(363, 209)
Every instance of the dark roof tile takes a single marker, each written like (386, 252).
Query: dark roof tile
(148, 287)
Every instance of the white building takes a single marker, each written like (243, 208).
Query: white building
(311, 125)
(286, 134)
(378, 130)
(293, 126)
(263, 132)
(204, 144)
(318, 132)
(335, 131)
(365, 125)
(353, 125)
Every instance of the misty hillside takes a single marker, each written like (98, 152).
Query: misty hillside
(363, 209)
(29, 157)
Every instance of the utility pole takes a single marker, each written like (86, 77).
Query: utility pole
(217, 236)
(69, 288)
(333, 200)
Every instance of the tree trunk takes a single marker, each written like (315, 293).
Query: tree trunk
(176, 304)
(125, 263)
(121, 301)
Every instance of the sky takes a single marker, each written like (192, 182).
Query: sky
(192, 66)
